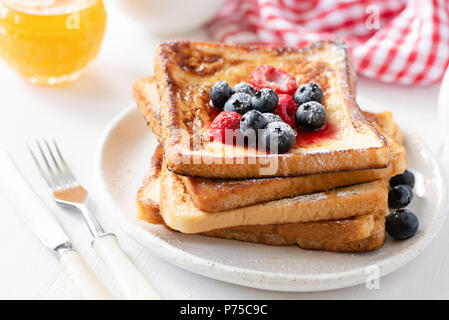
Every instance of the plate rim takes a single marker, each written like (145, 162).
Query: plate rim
(255, 278)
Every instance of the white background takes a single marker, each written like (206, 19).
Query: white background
(77, 114)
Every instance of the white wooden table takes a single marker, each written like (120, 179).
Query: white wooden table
(77, 114)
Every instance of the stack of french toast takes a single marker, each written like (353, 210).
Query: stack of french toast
(315, 173)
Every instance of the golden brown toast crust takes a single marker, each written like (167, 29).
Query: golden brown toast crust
(357, 234)
(214, 195)
(180, 213)
(185, 70)
(145, 93)
(147, 98)
(385, 121)
(344, 230)
(148, 195)
(373, 242)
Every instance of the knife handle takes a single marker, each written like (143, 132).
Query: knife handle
(82, 276)
(133, 284)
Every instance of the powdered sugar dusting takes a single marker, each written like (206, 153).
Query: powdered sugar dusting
(346, 193)
(310, 197)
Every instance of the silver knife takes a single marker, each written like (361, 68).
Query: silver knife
(46, 227)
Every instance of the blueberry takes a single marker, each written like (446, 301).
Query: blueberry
(400, 196)
(401, 224)
(405, 178)
(220, 92)
(308, 92)
(253, 119)
(245, 88)
(310, 116)
(238, 102)
(271, 117)
(281, 134)
(265, 100)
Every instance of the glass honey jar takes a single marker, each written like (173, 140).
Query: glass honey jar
(51, 41)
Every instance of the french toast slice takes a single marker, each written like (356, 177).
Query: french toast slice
(214, 195)
(185, 72)
(149, 193)
(180, 213)
(355, 234)
(374, 241)
(147, 99)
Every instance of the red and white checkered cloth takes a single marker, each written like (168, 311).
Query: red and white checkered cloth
(396, 41)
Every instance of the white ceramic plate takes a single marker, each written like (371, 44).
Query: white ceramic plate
(123, 157)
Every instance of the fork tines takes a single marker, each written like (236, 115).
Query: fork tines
(52, 166)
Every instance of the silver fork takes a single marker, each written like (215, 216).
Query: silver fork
(65, 190)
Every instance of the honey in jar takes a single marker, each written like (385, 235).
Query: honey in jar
(51, 41)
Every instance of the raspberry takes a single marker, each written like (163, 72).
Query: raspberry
(265, 76)
(287, 110)
(226, 120)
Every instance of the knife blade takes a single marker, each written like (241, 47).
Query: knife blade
(46, 227)
(29, 206)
